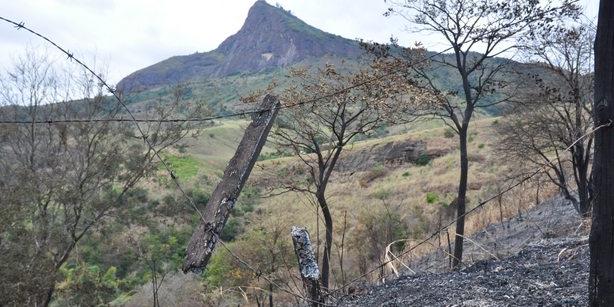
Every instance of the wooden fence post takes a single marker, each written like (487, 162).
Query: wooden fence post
(225, 195)
(308, 265)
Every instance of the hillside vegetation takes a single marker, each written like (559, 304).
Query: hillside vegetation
(375, 205)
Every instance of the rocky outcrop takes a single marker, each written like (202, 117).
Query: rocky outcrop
(387, 154)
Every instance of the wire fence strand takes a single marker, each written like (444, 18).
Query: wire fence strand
(132, 118)
(438, 231)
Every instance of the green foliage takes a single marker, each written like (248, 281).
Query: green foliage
(89, 285)
(406, 174)
(249, 199)
(432, 197)
(268, 246)
(481, 145)
(232, 228)
(182, 148)
(423, 160)
(184, 167)
(273, 155)
(219, 268)
(375, 229)
(200, 198)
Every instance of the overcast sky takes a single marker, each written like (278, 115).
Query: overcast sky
(127, 35)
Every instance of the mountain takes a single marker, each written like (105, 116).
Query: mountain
(271, 38)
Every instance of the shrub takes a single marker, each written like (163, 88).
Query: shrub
(232, 229)
(481, 146)
(406, 174)
(382, 194)
(449, 133)
(273, 155)
(423, 160)
(432, 197)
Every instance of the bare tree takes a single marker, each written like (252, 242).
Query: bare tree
(318, 132)
(60, 180)
(550, 128)
(476, 31)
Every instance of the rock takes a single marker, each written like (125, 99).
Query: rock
(390, 154)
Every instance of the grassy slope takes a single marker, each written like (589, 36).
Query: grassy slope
(405, 184)
(404, 187)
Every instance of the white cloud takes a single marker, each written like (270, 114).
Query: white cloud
(132, 34)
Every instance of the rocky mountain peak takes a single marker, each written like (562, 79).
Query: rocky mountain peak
(270, 38)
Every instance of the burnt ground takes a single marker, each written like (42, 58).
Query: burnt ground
(542, 260)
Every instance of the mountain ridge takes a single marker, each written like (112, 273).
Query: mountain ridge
(270, 38)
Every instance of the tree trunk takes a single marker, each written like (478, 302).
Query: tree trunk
(328, 241)
(308, 265)
(581, 160)
(461, 200)
(584, 205)
(224, 197)
(43, 299)
(270, 295)
(601, 279)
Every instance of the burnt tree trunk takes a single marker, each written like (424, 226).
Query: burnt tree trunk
(601, 278)
(328, 241)
(581, 159)
(225, 195)
(44, 299)
(584, 201)
(308, 265)
(461, 199)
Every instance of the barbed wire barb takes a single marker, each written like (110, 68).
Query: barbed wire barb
(132, 118)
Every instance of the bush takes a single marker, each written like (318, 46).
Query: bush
(273, 155)
(406, 174)
(432, 197)
(481, 146)
(449, 133)
(423, 160)
(382, 194)
(232, 229)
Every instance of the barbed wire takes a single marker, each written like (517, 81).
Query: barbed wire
(136, 121)
(447, 226)
(440, 230)
(132, 118)
(270, 281)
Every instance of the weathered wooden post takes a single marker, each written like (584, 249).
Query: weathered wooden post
(308, 265)
(225, 195)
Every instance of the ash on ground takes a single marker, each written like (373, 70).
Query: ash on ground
(541, 259)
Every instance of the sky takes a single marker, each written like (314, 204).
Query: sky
(126, 35)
